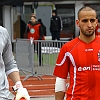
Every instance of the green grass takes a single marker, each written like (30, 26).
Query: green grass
(49, 59)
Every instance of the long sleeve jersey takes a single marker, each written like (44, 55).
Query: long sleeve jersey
(7, 62)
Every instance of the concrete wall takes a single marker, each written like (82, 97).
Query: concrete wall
(7, 19)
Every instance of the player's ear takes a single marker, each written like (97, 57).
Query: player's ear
(77, 23)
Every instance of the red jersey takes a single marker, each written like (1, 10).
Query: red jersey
(34, 32)
(82, 61)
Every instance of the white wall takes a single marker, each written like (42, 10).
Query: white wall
(7, 19)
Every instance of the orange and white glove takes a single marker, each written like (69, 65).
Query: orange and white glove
(20, 91)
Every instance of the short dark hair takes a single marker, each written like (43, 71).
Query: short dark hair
(86, 8)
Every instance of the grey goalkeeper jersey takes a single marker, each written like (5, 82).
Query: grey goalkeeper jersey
(7, 61)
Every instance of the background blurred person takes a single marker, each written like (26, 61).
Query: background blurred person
(35, 31)
(55, 25)
(43, 26)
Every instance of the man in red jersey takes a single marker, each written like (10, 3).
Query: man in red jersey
(81, 59)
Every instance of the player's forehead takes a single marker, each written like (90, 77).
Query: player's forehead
(87, 15)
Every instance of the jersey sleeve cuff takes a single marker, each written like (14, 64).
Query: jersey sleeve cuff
(12, 70)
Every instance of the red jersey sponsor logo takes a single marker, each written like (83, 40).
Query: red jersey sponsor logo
(90, 68)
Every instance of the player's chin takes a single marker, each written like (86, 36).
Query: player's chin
(89, 34)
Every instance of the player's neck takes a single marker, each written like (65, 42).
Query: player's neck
(87, 39)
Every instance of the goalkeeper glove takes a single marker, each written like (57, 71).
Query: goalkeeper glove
(20, 91)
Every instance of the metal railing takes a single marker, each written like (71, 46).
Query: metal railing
(37, 57)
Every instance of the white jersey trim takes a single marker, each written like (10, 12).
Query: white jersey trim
(12, 70)
(74, 65)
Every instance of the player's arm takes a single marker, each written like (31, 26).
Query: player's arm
(59, 95)
(12, 70)
(14, 76)
(61, 72)
(9, 61)
(60, 23)
(60, 88)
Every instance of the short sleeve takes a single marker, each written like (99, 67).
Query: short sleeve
(62, 64)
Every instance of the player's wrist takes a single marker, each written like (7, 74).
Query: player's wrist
(17, 85)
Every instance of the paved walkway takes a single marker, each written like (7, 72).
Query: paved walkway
(45, 98)
(36, 98)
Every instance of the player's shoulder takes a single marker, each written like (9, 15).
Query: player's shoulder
(3, 31)
(72, 42)
(3, 28)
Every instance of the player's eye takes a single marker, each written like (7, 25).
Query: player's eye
(92, 20)
(85, 20)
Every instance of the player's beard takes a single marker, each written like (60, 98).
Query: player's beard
(87, 33)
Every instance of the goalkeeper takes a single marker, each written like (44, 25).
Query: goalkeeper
(8, 67)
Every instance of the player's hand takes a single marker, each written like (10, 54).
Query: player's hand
(22, 92)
